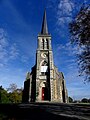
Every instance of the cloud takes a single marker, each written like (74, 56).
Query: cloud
(67, 9)
(14, 52)
(67, 49)
(65, 55)
(64, 12)
(77, 89)
(24, 58)
(3, 45)
(10, 51)
(65, 6)
(3, 41)
(14, 75)
(66, 61)
(7, 51)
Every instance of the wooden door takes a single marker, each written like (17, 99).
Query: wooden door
(43, 92)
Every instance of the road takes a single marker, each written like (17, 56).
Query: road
(45, 111)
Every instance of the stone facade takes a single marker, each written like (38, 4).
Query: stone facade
(44, 83)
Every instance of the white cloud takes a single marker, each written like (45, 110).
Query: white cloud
(7, 77)
(3, 41)
(64, 12)
(24, 58)
(7, 51)
(14, 52)
(3, 45)
(77, 89)
(10, 51)
(66, 6)
(67, 48)
(64, 54)
(65, 60)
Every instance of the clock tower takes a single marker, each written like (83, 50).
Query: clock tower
(44, 83)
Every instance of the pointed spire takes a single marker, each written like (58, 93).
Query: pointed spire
(44, 30)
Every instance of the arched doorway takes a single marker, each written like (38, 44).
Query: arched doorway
(43, 90)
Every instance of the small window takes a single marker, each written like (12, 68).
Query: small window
(42, 73)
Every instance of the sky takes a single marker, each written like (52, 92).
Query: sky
(20, 23)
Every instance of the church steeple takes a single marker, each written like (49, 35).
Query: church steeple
(44, 82)
(44, 30)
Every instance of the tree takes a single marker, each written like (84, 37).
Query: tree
(11, 95)
(84, 100)
(70, 100)
(12, 87)
(15, 94)
(88, 100)
(3, 95)
(80, 36)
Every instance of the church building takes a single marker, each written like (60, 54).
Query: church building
(44, 82)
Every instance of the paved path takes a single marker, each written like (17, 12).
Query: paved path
(45, 111)
(76, 111)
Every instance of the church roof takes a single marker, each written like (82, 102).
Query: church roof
(44, 30)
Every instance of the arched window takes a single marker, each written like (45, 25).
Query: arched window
(44, 63)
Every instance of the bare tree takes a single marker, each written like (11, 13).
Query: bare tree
(80, 36)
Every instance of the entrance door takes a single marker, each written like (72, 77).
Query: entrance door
(43, 92)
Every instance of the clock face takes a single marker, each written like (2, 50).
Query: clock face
(44, 55)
